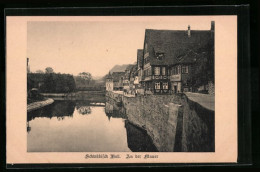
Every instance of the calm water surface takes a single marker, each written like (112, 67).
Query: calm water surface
(84, 126)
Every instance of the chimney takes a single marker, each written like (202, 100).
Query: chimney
(188, 30)
(212, 26)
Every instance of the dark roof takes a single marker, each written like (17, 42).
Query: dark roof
(109, 76)
(117, 76)
(176, 45)
(134, 71)
(140, 57)
(129, 67)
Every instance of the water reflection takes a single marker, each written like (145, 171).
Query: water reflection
(138, 140)
(84, 126)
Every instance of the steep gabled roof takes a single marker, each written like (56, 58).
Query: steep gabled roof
(109, 76)
(176, 45)
(129, 67)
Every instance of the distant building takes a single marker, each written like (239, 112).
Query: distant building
(114, 81)
(118, 80)
(175, 61)
(139, 64)
(127, 76)
(109, 83)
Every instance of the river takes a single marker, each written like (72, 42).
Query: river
(84, 126)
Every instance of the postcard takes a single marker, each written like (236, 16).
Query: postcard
(121, 89)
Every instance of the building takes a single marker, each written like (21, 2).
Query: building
(177, 60)
(109, 82)
(139, 63)
(127, 76)
(118, 80)
(114, 81)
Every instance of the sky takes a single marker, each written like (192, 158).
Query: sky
(94, 46)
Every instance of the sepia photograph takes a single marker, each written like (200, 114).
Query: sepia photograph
(120, 87)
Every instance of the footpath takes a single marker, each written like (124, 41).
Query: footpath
(39, 104)
(205, 100)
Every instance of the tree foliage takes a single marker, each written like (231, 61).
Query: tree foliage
(85, 75)
(49, 70)
(84, 79)
(203, 69)
(51, 82)
(39, 71)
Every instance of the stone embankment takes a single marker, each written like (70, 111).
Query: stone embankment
(173, 122)
(39, 104)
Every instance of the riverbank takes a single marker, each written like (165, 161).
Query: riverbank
(39, 104)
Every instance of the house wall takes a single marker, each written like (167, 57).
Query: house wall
(109, 86)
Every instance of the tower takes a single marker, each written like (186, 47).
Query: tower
(109, 83)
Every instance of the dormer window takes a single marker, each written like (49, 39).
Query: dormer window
(159, 56)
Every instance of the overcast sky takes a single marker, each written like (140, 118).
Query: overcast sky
(92, 46)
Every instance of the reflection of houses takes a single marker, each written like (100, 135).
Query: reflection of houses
(109, 108)
(114, 111)
(170, 59)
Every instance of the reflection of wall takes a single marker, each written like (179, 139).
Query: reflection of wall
(138, 140)
(108, 108)
(83, 110)
(112, 110)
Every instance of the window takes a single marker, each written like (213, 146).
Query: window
(157, 85)
(185, 69)
(163, 71)
(159, 56)
(156, 70)
(175, 70)
(165, 85)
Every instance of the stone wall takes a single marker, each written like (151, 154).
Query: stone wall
(173, 122)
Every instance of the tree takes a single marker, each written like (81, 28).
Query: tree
(49, 70)
(85, 75)
(39, 71)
